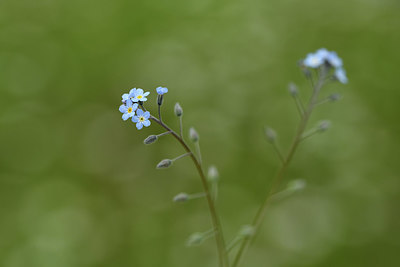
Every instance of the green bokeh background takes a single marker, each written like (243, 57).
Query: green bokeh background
(78, 187)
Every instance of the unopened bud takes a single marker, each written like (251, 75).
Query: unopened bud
(150, 139)
(246, 230)
(334, 97)
(213, 175)
(296, 185)
(195, 239)
(193, 135)
(181, 197)
(270, 134)
(293, 89)
(324, 126)
(178, 110)
(160, 99)
(165, 163)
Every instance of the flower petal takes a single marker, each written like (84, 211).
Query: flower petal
(139, 112)
(132, 91)
(139, 92)
(146, 123)
(135, 119)
(139, 125)
(146, 115)
(125, 97)
(122, 108)
(129, 103)
(125, 116)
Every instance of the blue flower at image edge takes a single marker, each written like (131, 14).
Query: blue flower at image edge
(141, 119)
(137, 95)
(128, 109)
(162, 90)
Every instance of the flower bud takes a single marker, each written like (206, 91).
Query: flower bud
(334, 97)
(181, 197)
(246, 230)
(270, 134)
(160, 99)
(195, 239)
(296, 185)
(193, 135)
(324, 126)
(213, 175)
(178, 110)
(165, 163)
(150, 139)
(293, 89)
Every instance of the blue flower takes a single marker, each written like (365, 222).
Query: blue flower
(142, 119)
(333, 60)
(322, 53)
(162, 90)
(125, 97)
(313, 60)
(137, 95)
(128, 109)
(340, 74)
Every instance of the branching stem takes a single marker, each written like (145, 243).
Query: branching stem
(280, 174)
(223, 256)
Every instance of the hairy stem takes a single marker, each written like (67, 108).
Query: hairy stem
(280, 174)
(222, 253)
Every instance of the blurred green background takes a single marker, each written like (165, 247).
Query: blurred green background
(78, 187)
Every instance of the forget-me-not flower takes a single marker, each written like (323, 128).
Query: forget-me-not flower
(333, 60)
(313, 60)
(137, 95)
(128, 109)
(125, 97)
(141, 119)
(162, 90)
(322, 53)
(340, 74)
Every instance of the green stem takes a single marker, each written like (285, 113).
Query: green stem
(279, 176)
(222, 253)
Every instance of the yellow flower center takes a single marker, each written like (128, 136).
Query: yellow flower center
(142, 119)
(139, 96)
(129, 110)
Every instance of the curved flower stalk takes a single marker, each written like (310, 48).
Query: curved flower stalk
(133, 107)
(320, 68)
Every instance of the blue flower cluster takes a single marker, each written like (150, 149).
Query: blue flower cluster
(323, 56)
(129, 108)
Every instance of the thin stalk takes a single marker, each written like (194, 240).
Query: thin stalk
(181, 156)
(309, 134)
(234, 243)
(197, 145)
(279, 176)
(197, 195)
(180, 126)
(161, 134)
(219, 238)
(299, 105)
(159, 112)
(278, 151)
